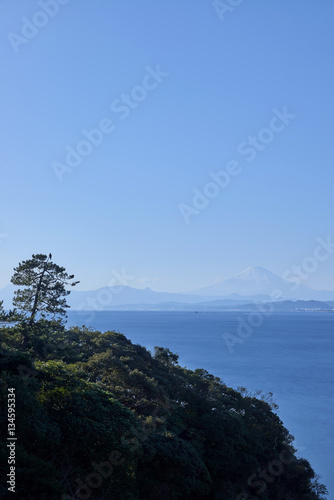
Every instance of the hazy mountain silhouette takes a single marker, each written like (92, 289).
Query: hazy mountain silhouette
(258, 280)
(254, 284)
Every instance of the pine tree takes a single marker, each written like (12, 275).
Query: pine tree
(43, 290)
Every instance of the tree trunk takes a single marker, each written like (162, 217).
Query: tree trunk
(34, 307)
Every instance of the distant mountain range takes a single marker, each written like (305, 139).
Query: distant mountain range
(251, 286)
(257, 280)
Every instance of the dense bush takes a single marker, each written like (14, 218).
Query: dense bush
(101, 418)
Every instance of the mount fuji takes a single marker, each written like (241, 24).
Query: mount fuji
(254, 284)
(259, 281)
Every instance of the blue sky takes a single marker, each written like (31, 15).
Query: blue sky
(119, 209)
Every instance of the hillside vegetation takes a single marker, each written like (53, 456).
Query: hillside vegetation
(97, 417)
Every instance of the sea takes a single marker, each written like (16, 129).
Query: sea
(288, 354)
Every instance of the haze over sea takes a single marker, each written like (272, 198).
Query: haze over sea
(290, 354)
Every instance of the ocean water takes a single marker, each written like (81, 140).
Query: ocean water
(289, 354)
